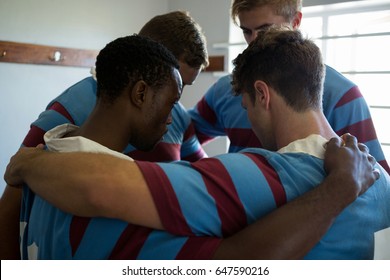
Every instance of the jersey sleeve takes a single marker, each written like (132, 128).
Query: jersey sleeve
(55, 115)
(347, 112)
(72, 106)
(191, 149)
(205, 114)
(213, 196)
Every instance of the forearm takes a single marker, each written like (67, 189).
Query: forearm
(9, 223)
(292, 230)
(88, 184)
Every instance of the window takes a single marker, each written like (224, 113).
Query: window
(355, 40)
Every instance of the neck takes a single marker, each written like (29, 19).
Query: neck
(293, 126)
(105, 125)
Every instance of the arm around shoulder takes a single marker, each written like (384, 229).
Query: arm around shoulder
(86, 184)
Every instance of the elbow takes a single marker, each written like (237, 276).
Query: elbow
(96, 203)
(91, 201)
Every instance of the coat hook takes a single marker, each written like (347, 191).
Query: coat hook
(4, 53)
(57, 56)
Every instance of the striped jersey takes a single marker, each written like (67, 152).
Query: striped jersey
(76, 103)
(219, 113)
(219, 196)
(49, 233)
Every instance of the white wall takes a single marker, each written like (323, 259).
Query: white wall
(25, 89)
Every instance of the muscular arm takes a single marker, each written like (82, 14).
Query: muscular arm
(86, 184)
(104, 181)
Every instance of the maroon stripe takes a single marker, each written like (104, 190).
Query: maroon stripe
(352, 94)
(199, 248)
(34, 137)
(76, 231)
(130, 243)
(162, 152)
(243, 137)
(165, 198)
(221, 187)
(200, 153)
(206, 112)
(61, 109)
(384, 164)
(203, 138)
(363, 130)
(272, 178)
(190, 131)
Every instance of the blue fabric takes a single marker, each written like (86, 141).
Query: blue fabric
(350, 237)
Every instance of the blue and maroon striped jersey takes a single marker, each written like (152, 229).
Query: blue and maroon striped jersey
(76, 103)
(62, 236)
(219, 196)
(49, 233)
(74, 106)
(219, 113)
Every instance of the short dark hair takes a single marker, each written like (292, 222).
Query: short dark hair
(287, 62)
(126, 60)
(179, 32)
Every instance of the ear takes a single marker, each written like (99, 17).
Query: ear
(296, 22)
(262, 96)
(138, 93)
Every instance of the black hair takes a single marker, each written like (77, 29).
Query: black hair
(126, 60)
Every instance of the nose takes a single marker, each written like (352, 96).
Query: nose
(253, 36)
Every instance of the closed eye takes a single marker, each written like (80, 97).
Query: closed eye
(246, 31)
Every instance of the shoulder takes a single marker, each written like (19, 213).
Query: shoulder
(223, 84)
(84, 89)
(78, 100)
(334, 79)
(297, 163)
